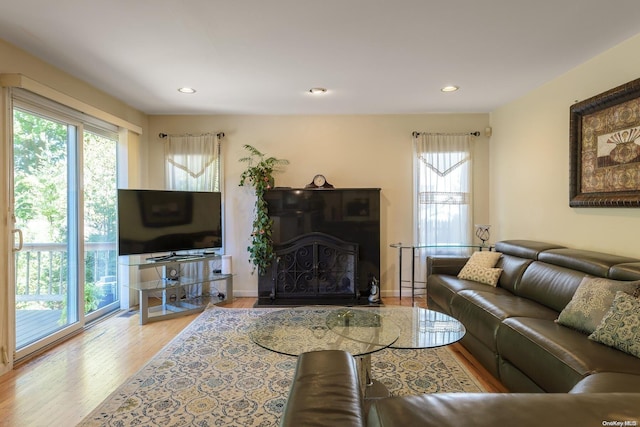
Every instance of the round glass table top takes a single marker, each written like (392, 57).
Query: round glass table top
(422, 328)
(297, 330)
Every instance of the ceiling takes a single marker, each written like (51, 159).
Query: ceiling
(262, 57)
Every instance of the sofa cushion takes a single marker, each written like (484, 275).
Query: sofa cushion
(512, 269)
(482, 311)
(556, 357)
(620, 327)
(592, 301)
(548, 284)
(443, 288)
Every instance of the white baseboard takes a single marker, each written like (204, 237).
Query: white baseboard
(383, 293)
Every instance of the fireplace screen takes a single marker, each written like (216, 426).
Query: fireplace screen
(316, 265)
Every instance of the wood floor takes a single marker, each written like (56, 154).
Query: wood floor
(61, 386)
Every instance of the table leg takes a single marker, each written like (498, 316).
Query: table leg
(229, 295)
(369, 388)
(400, 271)
(413, 273)
(144, 307)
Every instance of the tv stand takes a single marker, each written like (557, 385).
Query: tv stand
(171, 286)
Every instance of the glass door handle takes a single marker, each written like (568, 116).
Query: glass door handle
(20, 240)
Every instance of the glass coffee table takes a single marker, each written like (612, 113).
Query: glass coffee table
(359, 331)
(422, 328)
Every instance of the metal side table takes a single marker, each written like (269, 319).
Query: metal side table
(419, 287)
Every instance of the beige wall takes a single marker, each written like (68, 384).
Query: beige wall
(530, 162)
(351, 151)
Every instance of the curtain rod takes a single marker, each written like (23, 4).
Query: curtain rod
(415, 134)
(220, 135)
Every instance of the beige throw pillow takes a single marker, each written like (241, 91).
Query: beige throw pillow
(480, 268)
(487, 259)
(478, 273)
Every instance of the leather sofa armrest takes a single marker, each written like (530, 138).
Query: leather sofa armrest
(608, 382)
(445, 265)
(325, 391)
(502, 409)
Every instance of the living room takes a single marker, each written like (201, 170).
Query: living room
(521, 172)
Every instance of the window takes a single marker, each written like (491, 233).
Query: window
(443, 190)
(193, 162)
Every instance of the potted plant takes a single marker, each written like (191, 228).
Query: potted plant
(259, 175)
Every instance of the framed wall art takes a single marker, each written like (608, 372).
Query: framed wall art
(604, 149)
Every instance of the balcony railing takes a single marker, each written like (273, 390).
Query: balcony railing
(42, 274)
(41, 286)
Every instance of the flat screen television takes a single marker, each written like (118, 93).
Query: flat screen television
(152, 221)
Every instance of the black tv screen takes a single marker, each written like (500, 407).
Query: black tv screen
(151, 221)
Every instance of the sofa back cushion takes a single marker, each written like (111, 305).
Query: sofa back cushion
(594, 263)
(512, 269)
(627, 271)
(530, 249)
(550, 285)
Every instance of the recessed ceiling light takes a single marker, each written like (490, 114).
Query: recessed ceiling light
(317, 90)
(186, 90)
(449, 88)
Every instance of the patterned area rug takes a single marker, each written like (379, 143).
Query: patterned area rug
(212, 374)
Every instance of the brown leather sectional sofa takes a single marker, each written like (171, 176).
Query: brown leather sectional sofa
(512, 328)
(556, 375)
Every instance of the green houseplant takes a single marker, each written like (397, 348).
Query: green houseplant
(259, 175)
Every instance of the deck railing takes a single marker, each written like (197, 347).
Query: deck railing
(41, 269)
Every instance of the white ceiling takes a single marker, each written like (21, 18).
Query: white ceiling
(262, 56)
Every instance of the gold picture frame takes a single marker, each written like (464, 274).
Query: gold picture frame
(604, 150)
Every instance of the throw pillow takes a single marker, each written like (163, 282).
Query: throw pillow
(487, 259)
(592, 300)
(620, 327)
(478, 273)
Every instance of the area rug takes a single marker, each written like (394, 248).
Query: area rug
(212, 374)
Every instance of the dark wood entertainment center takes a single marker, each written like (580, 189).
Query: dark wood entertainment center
(327, 244)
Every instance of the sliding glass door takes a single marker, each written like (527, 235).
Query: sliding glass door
(64, 192)
(45, 280)
(99, 217)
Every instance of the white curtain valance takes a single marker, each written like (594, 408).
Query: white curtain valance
(197, 157)
(442, 153)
